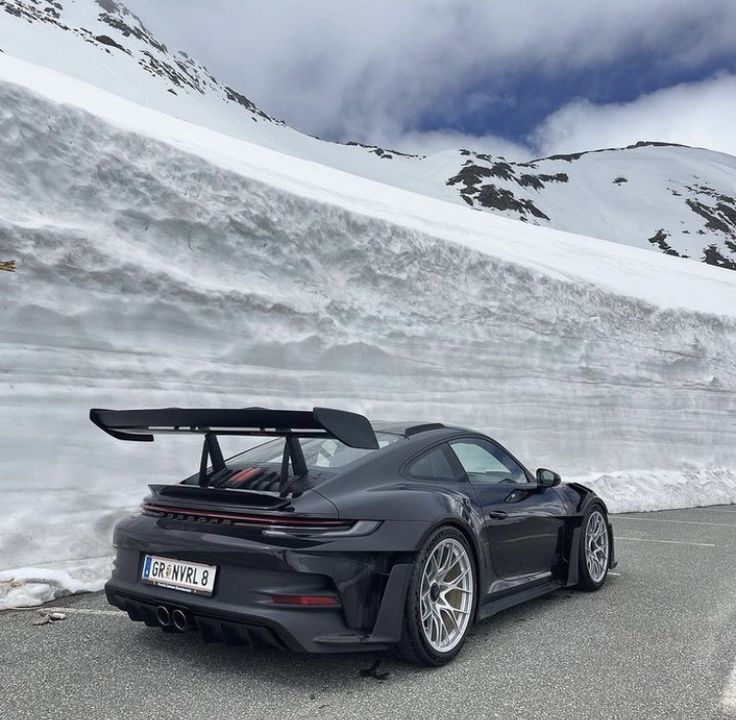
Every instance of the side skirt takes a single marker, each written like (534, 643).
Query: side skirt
(495, 605)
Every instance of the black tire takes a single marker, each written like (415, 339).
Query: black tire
(585, 580)
(414, 647)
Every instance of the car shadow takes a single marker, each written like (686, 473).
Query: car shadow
(346, 672)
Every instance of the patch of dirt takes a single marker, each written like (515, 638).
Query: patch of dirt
(374, 671)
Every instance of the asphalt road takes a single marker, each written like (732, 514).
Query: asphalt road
(658, 641)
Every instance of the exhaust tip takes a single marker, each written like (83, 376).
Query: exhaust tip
(180, 620)
(163, 616)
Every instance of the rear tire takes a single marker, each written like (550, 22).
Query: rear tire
(595, 550)
(441, 600)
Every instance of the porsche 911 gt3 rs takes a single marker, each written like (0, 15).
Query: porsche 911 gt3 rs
(338, 535)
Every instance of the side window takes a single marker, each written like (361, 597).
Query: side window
(486, 464)
(433, 465)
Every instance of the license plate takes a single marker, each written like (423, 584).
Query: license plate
(179, 575)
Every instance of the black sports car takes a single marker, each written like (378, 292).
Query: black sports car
(337, 536)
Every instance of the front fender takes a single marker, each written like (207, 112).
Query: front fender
(580, 499)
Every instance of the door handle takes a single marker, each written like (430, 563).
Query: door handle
(498, 515)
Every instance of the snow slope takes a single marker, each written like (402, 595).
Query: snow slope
(106, 45)
(674, 199)
(161, 263)
(670, 199)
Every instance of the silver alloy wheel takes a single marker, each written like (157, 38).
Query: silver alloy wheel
(446, 595)
(596, 546)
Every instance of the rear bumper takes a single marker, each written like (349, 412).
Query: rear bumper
(212, 628)
(370, 586)
(309, 629)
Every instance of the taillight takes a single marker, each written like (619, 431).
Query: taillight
(306, 600)
(274, 526)
(264, 520)
(353, 529)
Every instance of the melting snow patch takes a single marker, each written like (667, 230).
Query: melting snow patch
(28, 587)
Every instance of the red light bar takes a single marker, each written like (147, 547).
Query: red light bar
(306, 600)
(255, 519)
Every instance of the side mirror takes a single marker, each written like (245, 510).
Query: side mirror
(547, 478)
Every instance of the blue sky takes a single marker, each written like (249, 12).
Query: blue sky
(522, 79)
(530, 97)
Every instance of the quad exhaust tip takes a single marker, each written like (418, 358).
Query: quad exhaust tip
(176, 618)
(180, 620)
(163, 616)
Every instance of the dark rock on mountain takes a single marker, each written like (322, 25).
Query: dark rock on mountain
(659, 239)
(107, 40)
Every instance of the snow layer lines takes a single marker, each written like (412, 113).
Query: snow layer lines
(161, 264)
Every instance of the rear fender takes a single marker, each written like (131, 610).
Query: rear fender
(471, 528)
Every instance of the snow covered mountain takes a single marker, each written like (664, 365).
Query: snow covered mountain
(671, 199)
(678, 200)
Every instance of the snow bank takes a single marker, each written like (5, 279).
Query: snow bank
(647, 490)
(28, 587)
(162, 264)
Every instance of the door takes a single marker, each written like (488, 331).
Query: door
(523, 522)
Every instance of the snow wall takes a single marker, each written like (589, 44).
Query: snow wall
(150, 277)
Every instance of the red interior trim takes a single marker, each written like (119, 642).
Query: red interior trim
(243, 475)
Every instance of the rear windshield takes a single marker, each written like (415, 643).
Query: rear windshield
(319, 452)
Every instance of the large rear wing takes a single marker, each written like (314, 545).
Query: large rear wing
(141, 425)
(349, 428)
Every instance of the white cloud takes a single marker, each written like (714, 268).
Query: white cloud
(369, 69)
(701, 114)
